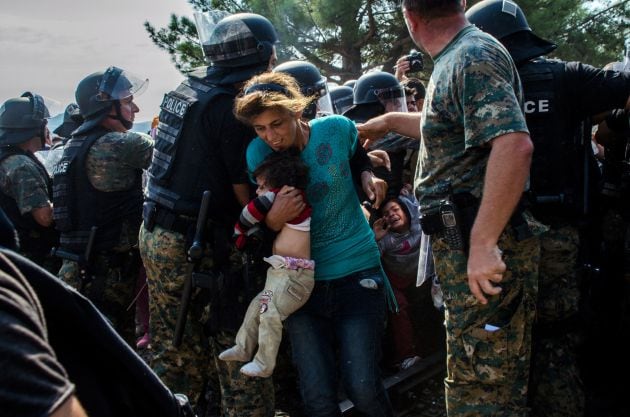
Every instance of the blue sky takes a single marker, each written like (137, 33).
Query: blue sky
(48, 46)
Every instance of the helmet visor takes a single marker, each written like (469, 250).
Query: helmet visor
(324, 106)
(206, 22)
(342, 104)
(118, 84)
(393, 98)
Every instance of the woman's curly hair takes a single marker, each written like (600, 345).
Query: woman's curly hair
(284, 95)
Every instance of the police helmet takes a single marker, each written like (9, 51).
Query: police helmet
(375, 93)
(505, 20)
(72, 119)
(312, 84)
(241, 44)
(380, 87)
(341, 98)
(22, 119)
(97, 93)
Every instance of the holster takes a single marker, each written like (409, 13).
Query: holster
(148, 215)
(465, 210)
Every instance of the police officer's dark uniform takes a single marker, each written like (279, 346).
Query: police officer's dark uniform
(200, 146)
(25, 184)
(560, 97)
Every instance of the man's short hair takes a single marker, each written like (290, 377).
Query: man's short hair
(431, 9)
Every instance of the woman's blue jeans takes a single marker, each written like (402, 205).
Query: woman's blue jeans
(342, 317)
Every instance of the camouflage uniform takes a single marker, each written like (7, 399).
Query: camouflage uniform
(476, 100)
(112, 164)
(25, 182)
(556, 386)
(194, 364)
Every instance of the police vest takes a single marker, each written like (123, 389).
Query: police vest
(556, 172)
(78, 206)
(178, 174)
(33, 236)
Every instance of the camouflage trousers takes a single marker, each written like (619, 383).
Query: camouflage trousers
(189, 368)
(112, 291)
(556, 388)
(488, 370)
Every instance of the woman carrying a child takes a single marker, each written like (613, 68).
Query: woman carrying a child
(343, 320)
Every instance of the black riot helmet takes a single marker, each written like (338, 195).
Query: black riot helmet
(380, 87)
(375, 93)
(505, 20)
(237, 46)
(312, 84)
(97, 93)
(23, 118)
(341, 98)
(72, 119)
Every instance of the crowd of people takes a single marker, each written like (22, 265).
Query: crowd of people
(263, 203)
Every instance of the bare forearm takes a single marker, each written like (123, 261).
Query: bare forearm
(506, 174)
(405, 124)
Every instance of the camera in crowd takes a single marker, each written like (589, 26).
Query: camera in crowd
(416, 62)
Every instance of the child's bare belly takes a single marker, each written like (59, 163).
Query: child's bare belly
(294, 243)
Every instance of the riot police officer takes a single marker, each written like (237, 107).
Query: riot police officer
(25, 186)
(200, 146)
(341, 97)
(97, 192)
(559, 97)
(376, 93)
(312, 84)
(71, 121)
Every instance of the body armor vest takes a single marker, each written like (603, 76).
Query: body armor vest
(557, 172)
(33, 236)
(178, 174)
(78, 206)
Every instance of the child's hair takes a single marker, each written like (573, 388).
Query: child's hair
(270, 90)
(283, 168)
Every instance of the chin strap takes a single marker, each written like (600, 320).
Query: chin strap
(126, 123)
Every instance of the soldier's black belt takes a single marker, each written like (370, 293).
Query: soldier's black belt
(433, 221)
(172, 221)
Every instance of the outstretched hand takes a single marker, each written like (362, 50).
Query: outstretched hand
(372, 130)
